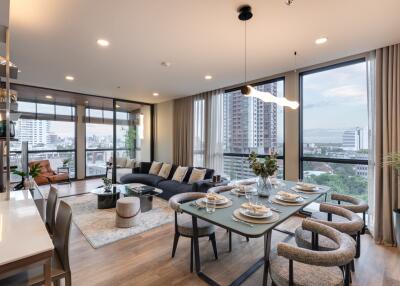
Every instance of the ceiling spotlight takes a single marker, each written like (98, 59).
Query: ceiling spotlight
(321, 41)
(69, 77)
(86, 101)
(49, 96)
(166, 64)
(117, 106)
(156, 94)
(208, 77)
(103, 42)
(289, 2)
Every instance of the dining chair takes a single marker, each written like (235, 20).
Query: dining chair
(60, 267)
(293, 265)
(353, 204)
(184, 227)
(51, 210)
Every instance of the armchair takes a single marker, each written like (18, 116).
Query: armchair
(47, 174)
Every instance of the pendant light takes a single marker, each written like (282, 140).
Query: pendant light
(245, 14)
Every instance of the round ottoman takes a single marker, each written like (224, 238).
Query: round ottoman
(126, 210)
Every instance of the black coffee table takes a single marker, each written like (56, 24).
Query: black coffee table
(145, 196)
(107, 199)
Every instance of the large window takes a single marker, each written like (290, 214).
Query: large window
(49, 130)
(334, 119)
(252, 125)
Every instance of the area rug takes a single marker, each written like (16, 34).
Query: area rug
(98, 226)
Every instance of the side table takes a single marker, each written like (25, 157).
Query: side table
(65, 170)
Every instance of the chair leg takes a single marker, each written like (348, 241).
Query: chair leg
(230, 241)
(68, 279)
(347, 275)
(358, 245)
(191, 255)
(56, 282)
(176, 238)
(352, 268)
(214, 245)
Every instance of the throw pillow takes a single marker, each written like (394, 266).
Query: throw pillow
(165, 170)
(155, 168)
(130, 163)
(197, 175)
(180, 174)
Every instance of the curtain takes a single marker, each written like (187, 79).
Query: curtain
(183, 131)
(387, 120)
(208, 130)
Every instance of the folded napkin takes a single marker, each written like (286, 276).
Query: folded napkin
(306, 186)
(288, 195)
(214, 197)
(255, 208)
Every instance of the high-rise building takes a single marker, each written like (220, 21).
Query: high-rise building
(34, 131)
(249, 125)
(352, 139)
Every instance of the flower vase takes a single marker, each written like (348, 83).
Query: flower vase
(264, 186)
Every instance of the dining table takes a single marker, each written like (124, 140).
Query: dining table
(224, 218)
(24, 240)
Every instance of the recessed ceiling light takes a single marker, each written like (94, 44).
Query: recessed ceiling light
(103, 42)
(117, 106)
(166, 64)
(69, 77)
(321, 41)
(156, 94)
(49, 96)
(208, 77)
(86, 101)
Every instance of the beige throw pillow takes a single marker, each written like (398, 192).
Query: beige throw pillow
(197, 175)
(165, 170)
(180, 174)
(130, 163)
(155, 168)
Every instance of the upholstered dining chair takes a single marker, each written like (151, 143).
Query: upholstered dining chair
(350, 203)
(184, 227)
(51, 210)
(60, 267)
(292, 265)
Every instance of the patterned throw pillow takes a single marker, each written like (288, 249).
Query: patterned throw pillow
(165, 170)
(197, 175)
(155, 168)
(180, 174)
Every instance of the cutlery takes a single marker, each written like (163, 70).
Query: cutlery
(238, 220)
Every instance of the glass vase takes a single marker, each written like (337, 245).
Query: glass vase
(264, 186)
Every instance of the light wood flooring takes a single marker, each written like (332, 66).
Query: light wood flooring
(145, 259)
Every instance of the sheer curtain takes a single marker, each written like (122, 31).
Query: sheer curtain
(208, 128)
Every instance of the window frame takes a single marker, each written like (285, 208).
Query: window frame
(303, 158)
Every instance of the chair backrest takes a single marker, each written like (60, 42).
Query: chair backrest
(351, 226)
(221, 189)
(61, 234)
(176, 200)
(356, 205)
(343, 255)
(51, 209)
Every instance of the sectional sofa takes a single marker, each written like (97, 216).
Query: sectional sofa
(141, 175)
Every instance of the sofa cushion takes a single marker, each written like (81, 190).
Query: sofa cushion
(145, 167)
(197, 175)
(147, 179)
(130, 163)
(165, 170)
(180, 174)
(171, 188)
(155, 168)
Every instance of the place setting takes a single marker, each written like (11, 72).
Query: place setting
(212, 201)
(302, 187)
(288, 199)
(243, 190)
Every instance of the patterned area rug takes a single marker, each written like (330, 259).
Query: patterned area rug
(98, 226)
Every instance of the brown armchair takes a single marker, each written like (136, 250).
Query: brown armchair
(47, 174)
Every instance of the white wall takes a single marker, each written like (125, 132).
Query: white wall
(164, 131)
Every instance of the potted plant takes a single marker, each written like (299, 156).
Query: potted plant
(66, 162)
(34, 171)
(264, 168)
(107, 184)
(23, 175)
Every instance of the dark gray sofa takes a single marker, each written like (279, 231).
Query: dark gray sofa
(169, 187)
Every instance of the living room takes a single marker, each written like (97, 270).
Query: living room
(200, 142)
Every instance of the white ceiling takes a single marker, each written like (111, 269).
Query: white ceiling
(53, 38)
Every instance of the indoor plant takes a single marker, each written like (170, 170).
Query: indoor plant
(23, 175)
(66, 162)
(263, 168)
(107, 184)
(393, 160)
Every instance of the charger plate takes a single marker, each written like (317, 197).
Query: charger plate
(202, 204)
(271, 219)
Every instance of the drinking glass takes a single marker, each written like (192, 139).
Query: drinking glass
(210, 206)
(248, 192)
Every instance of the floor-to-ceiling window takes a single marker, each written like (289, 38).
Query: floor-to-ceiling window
(334, 127)
(49, 130)
(252, 125)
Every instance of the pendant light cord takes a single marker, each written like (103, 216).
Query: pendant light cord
(245, 52)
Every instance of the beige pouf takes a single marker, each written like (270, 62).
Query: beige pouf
(126, 211)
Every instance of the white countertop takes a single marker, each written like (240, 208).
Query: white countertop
(22, 231)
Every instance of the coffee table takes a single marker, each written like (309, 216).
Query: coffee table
(107, 199)
(146, 197)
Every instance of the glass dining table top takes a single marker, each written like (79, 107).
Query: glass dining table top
(223, 217)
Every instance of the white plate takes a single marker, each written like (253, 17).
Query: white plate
(237, 191)
(284, 199)
(307, 189)
(217, 202)
(249, 213)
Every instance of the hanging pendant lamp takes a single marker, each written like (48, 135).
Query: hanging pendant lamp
(245, 14)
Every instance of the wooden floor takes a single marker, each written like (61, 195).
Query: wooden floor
(145, 259)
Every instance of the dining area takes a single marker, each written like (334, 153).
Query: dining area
(34, 245)
(322, 248)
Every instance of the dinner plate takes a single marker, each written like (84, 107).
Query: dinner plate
(284, 199)
(249, 213)
(217, 202)
(315, 189)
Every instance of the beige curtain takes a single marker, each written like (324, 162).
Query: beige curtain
(183, 131)
(387, 125)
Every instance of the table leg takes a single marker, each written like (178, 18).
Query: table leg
(47, 272)
(196, 244)
(267, 249)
